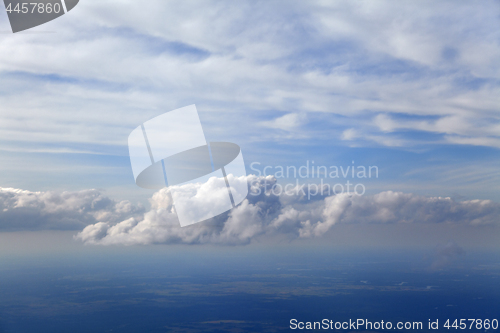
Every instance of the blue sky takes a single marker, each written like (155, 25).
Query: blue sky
(412, 88)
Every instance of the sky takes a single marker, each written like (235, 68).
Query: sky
(411, 88)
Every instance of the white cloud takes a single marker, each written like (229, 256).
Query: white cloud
(475, 141)
(458, 129)
(109, 67)
(454, 125)
(290, 216)
(349, 134)
(25, 210)
(106, 222)
(287, 122)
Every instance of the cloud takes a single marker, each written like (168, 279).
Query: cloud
(457, 129)
(475, 141)
(287, 122)
(293, 216)
(25, 210)
(445, 255)
(121, 64)
(349, 134)
(105, 221)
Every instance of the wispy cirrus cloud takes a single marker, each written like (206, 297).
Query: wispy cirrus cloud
(122, 64)
(288, 81)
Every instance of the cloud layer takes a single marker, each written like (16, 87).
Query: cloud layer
(386, 67)
(25, 210)
(265, 214)
(288, 81)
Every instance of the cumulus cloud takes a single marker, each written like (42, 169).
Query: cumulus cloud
(263, 213)
(25, 210)
(292, 216)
